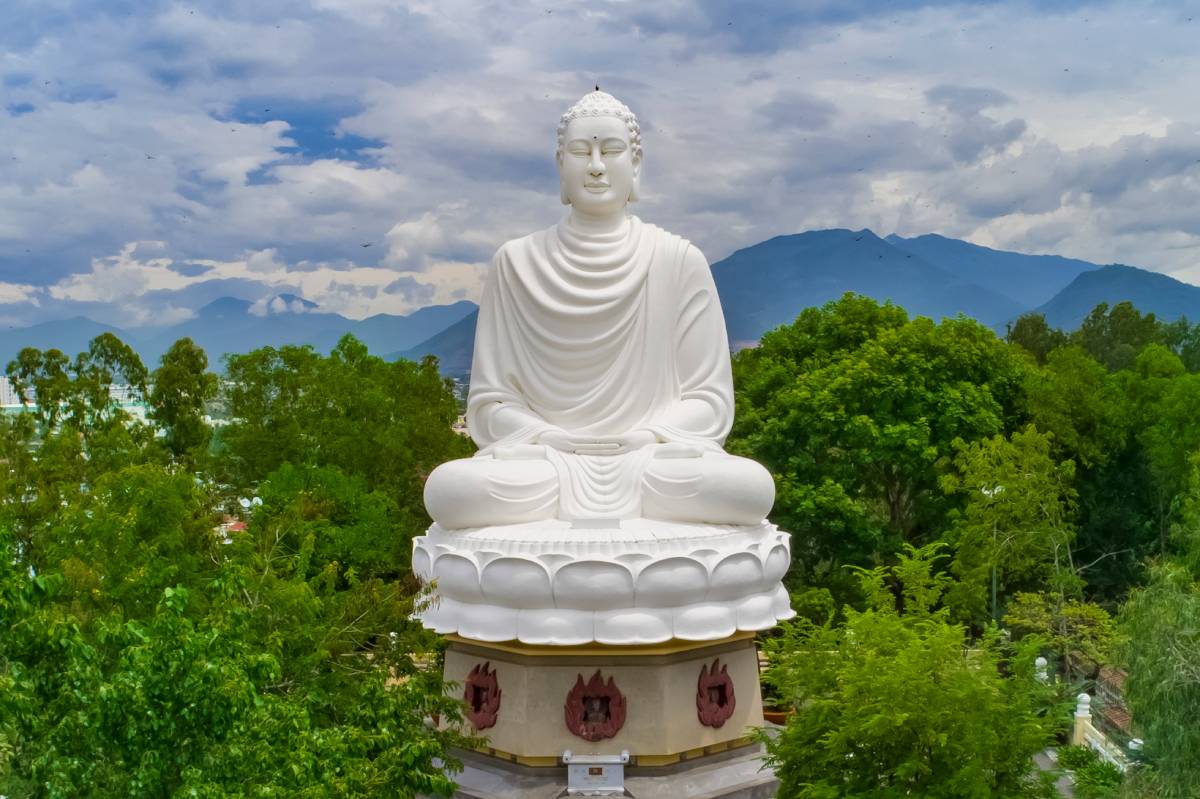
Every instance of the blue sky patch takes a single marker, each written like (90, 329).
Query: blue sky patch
(312, 126)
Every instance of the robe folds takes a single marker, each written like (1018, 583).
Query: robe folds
(600, 335)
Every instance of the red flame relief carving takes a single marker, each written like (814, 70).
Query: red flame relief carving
(482, 695)
(595, 710)
(714, 695)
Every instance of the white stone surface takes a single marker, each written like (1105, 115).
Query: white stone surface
(646, 582)
(601, 389)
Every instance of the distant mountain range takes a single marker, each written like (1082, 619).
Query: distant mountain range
(767, 285)
(761, 287)
(228, 325)
(1154, 292)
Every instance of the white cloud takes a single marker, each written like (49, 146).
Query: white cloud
(120, 276)
(17, 292)
(138, 285)
(378, 153)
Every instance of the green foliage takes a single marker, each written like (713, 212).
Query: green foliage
(1076, 757)
(135, 533)
(387, 423)
(347, 524)
(855, 409)
(1082, 634)
(187, 704)
(894, 703)
(143, 653)
(1114, 336)
(1076, 401)
(1031, 332)
(1098, 780)
(1162, 651)
(77, 392)
(1016, 524)
(182, 387)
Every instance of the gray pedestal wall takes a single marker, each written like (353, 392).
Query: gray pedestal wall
(737, 774)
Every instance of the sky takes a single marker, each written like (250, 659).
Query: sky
(371, 155)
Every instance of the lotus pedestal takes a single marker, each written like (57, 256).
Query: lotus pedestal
(635, 636)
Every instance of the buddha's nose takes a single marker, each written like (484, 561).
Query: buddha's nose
(595, 165)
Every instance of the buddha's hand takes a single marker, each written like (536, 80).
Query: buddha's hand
(597, 445)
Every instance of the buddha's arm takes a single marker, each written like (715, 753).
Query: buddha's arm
(704, 411)
(497, 414)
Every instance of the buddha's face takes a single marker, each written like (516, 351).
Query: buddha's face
(597, 172)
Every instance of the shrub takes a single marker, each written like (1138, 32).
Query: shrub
(1076, 757)
(1098, 780)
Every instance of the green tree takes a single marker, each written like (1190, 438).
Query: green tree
(147, 651)
(1160, 624)
(388, 423)
(1081, 634)
(45, 375)
(182, 385)
(108, 361)
(1114, 336)
(1017, 521)
(271, 674)
(1031, 332)
(1081, 406)
(1091, 417)
(894, 703)
(1168, 430)
(855, 410)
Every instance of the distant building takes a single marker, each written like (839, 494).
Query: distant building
(124, 395)
(1110, 690)
(127, 398)
(8, 394)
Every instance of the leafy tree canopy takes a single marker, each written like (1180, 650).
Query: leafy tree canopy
(856, 410)
(887, 705)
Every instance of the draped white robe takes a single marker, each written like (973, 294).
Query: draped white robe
(600, 335)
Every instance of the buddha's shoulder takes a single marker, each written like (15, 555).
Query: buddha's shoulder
(523, 244)
(689, 254)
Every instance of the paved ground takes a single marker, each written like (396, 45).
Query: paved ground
(1047, 763)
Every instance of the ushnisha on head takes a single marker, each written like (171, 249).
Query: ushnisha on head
(599, 155)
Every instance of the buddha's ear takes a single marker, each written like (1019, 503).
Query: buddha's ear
(637, 182)
(562, 190)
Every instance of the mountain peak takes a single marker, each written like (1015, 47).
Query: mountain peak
(282, 304)
(1164, 296)
(224, 308)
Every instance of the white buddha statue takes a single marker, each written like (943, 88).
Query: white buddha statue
(600, 506)
(601, 385)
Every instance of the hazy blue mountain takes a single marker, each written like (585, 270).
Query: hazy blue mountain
(386, 333)
(761, 287)
(1150, 292)
(453, 347)
(1028, 280)
(768, 284)
(227, 325)
(69, 335)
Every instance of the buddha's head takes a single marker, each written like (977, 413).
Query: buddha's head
(599, 155)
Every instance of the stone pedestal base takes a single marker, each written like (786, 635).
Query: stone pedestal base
(664, 703)
(737, 774)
